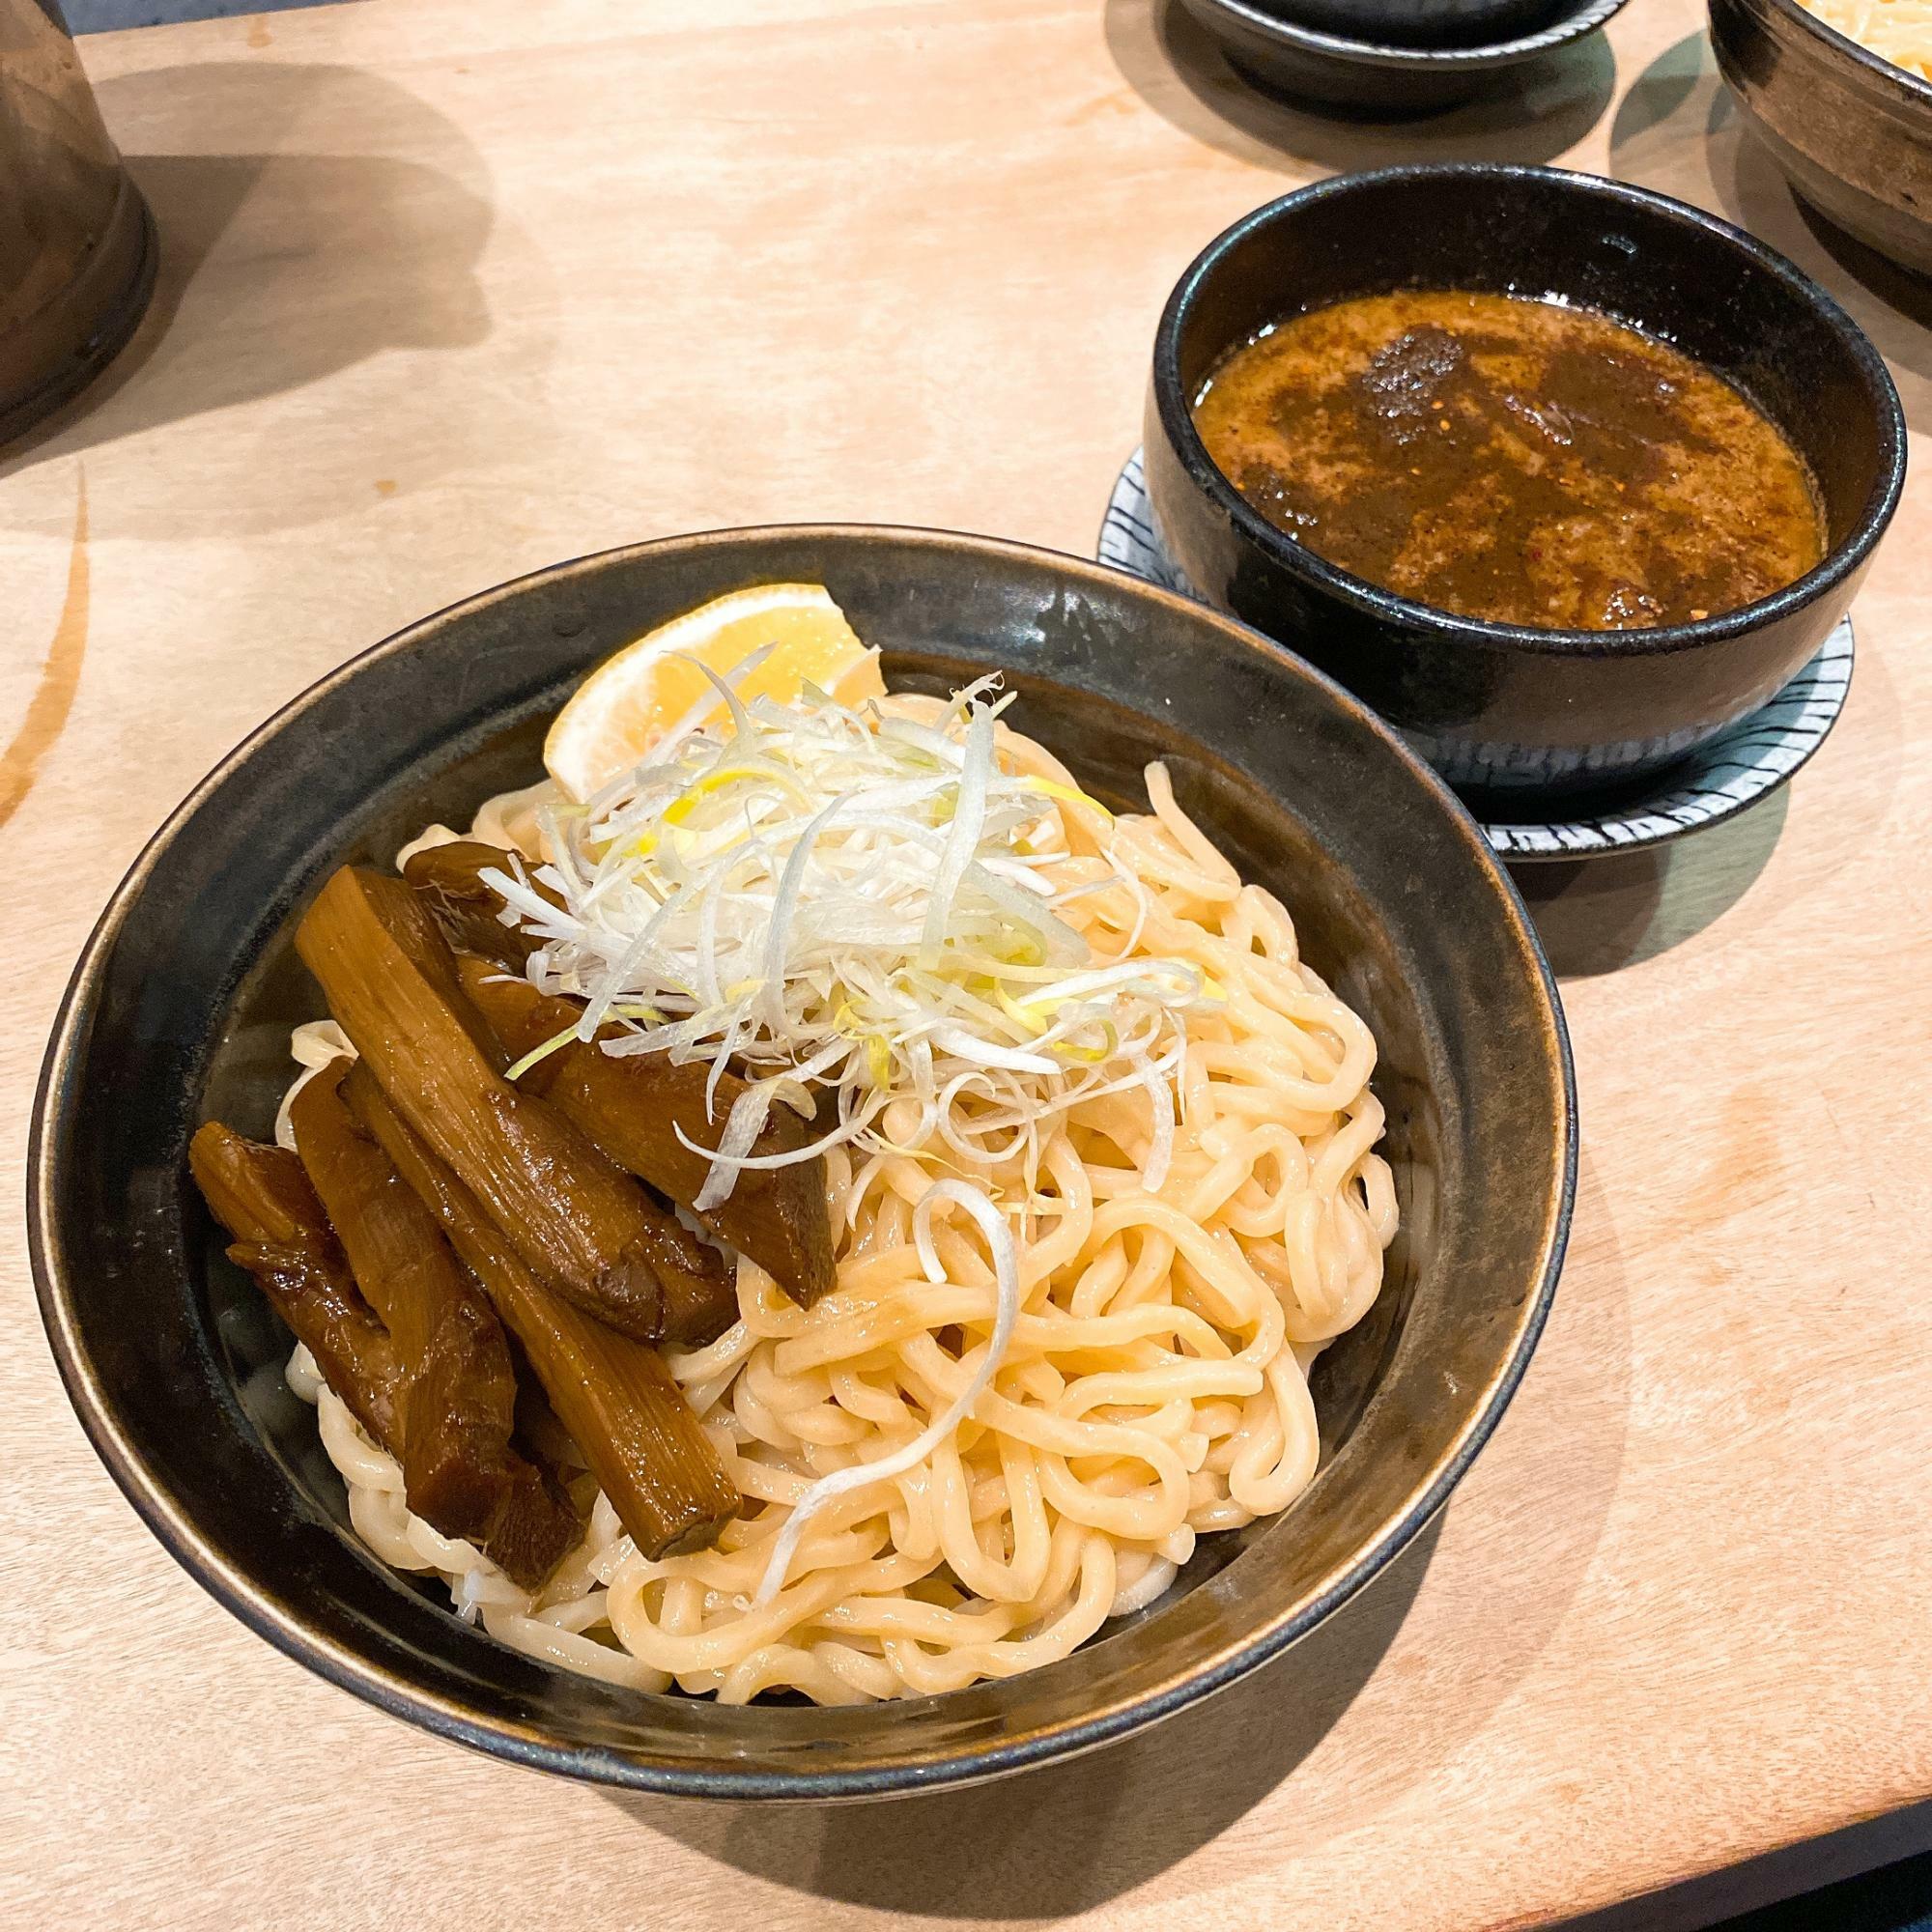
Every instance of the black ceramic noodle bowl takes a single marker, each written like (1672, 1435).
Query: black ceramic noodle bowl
(1498, 706)
(1338, 53)
(181, 1007)
(1851, 132)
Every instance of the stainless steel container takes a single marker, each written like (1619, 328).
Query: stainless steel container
(77, 244)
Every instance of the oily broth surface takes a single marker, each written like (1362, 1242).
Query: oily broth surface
(1513, 459)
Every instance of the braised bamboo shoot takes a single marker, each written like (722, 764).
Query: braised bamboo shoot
(573, 1217)
(631, 1107)
(460, 1472)
(613, 1394)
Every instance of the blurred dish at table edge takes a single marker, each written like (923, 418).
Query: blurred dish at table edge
(1501, 708)
(1851, 130)
(209, 1450)
(1415, 23)
(1386, 78)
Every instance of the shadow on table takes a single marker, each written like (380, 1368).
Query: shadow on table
(1597, 915)
(278, 268)
(1067, 1837)
(1418, 1674)
(1172, 62)
(1678, 131)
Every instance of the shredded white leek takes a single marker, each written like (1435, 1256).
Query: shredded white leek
(832, 899)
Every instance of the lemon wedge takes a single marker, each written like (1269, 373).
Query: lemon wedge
(630, 700)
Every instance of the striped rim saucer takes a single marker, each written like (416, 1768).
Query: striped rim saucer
(1723, 776)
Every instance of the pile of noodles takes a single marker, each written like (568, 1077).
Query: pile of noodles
(1898, 31)
(1153, 1390)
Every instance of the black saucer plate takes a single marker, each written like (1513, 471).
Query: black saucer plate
(1723, 776)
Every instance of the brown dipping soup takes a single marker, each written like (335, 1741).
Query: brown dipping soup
(1513, 459)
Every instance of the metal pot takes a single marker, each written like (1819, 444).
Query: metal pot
(77, 245)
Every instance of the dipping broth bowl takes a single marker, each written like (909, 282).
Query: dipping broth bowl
(1503, 707)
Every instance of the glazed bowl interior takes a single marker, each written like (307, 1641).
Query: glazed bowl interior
(181, 1010)
(1685, 277)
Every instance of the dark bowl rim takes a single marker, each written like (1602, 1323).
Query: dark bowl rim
(1884, 74)
(1395, 58)
(1841, 561)
(529, 1745)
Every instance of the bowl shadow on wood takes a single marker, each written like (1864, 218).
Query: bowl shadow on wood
(282, 267)
(1598, 915)
(1677, 131)
(1369, 1704)
(1067, 1837)
(1173, 65)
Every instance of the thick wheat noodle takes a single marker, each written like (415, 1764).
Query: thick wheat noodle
(1899, 31)
(1155, 1386)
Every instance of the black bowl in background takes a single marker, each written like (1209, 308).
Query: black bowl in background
(1385, 76)
(1500, 707)
(1415, 23)
(1851, 132)
(180, 1007)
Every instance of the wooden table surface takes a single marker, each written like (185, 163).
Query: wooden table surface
(457, 288)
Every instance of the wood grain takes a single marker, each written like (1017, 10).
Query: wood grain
(52, 696)
(454, 288)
